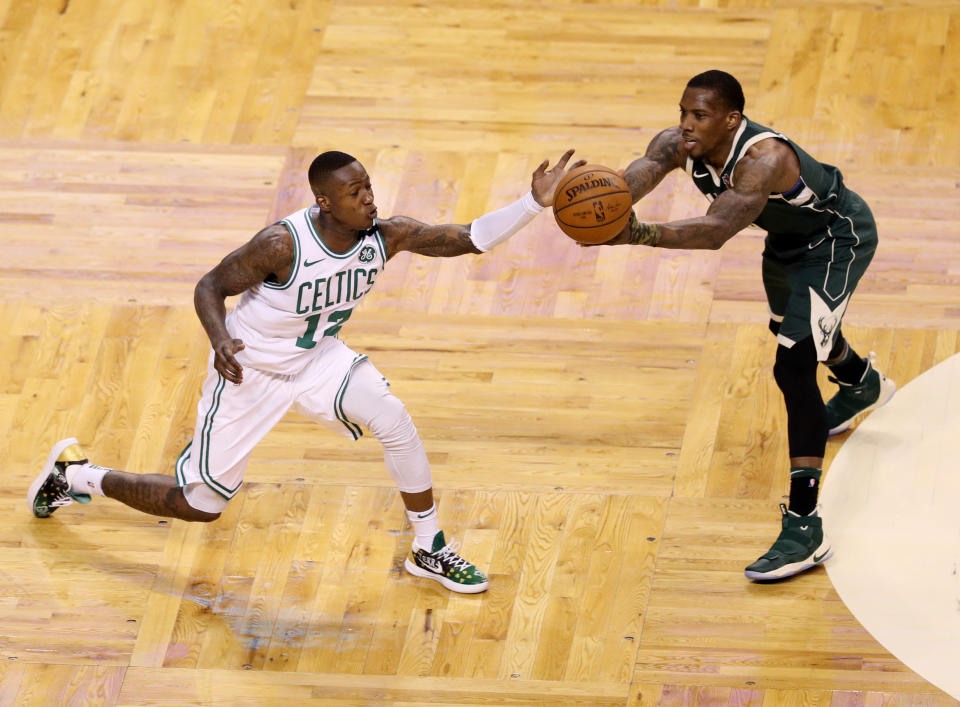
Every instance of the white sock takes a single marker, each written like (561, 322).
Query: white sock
(424, 526)
(86, 478)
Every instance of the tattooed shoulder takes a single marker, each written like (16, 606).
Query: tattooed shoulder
(664, 149)
(273, 245)
(269, 253)
(758, 172)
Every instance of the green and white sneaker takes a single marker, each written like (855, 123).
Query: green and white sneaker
(50, 490)
(854, 399)
(443, 564)
(800, 546)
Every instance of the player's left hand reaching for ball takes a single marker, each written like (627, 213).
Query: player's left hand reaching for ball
(545, 181)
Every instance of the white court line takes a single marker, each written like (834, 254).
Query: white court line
(891, 507)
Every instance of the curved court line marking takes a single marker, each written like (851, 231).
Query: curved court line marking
(890, 503)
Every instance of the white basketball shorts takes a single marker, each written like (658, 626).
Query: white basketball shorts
(232, 419)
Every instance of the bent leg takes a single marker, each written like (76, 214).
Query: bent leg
(155, 494)
(69, 476)
(231, 421)
(364, 398)
(368, 400)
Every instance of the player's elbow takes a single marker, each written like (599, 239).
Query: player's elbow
(715, 240)
(720, 235)
(210, 285)
(203, 287)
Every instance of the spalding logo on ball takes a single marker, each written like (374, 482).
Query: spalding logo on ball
(592, 204)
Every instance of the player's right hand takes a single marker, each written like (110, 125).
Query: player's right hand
(544, 182)
(223, 360)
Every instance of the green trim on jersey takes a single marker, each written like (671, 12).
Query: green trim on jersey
(352, 427)
(296, 259)
(326, 249)
(381, 243)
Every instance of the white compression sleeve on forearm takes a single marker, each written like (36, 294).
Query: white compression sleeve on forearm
(499, 225)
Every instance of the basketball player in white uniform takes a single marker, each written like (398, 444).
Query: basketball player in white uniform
(278, 349)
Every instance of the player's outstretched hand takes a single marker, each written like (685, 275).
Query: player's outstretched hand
(545, 181)
(223, 360)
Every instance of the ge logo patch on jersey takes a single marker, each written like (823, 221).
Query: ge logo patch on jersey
(366, 254)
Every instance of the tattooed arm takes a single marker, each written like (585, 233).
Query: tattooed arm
(444, 241)
(448, 240)
(662, 157)
(763, 170)
(270, 252)
(766, 168)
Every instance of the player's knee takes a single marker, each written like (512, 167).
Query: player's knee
(782, 370)
(392, 424)
(198, 503)
(795, 369)
(368, 401)
(195, 516)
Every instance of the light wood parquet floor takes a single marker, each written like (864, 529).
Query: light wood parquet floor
(605, 434)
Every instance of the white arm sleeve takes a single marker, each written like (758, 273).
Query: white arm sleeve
(499, 225)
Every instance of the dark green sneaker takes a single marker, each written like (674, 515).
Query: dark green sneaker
(854, 399)
(443, 564)
(50, 490)
(800, 546)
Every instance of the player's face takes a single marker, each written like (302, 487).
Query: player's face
(706, 124)
(349, 196)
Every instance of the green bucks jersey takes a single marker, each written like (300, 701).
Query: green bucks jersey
(794, 217)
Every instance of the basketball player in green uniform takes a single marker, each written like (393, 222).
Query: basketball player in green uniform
(820, 239)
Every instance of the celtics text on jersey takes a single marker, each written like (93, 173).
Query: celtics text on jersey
(279, 323)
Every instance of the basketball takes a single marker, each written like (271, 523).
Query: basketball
(592, 204)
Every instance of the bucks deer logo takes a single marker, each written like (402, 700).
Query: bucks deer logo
(828, 325)
(827, 320)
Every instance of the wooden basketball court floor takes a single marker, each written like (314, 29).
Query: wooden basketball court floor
(605, 434)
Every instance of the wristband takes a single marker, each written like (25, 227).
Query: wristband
(644, 233)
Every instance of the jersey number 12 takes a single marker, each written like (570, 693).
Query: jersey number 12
(336, 320)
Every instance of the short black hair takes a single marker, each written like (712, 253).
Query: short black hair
(723, 84)
(325, 163)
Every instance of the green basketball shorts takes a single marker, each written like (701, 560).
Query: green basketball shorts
(809, 279)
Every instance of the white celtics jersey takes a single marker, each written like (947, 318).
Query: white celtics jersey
(280, 323)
